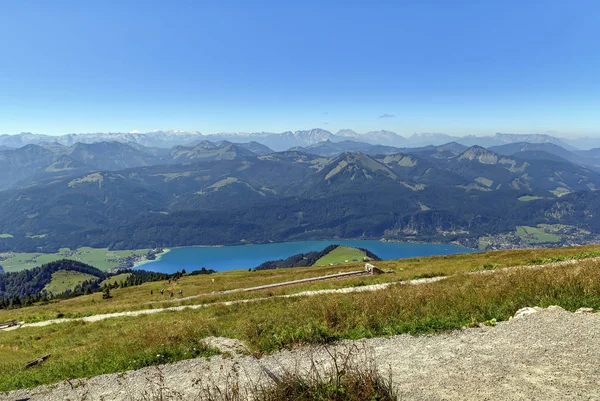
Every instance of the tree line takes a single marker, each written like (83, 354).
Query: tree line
(24, 288)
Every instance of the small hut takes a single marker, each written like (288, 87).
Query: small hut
(369, 268)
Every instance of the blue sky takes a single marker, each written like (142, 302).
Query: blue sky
(459, 67)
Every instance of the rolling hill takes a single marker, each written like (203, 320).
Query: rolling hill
(548, 151)
(52, 161)
(56, 278)
(333, 254)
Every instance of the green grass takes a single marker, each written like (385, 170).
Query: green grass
(528, 198)
(100, 258)
(86, 349)
(138, 297)
(20, 261)
(341, 254)
(534, 235)
(63, 280)
(6, 235)
(115, 279)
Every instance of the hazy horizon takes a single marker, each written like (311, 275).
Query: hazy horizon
(333, 131)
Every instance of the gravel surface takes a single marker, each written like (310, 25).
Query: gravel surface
(541, 354)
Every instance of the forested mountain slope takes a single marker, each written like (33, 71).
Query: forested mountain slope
(226, 194)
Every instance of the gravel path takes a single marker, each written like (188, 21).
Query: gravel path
(543, 354)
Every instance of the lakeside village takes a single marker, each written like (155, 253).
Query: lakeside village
(130, 261)
(119, 262)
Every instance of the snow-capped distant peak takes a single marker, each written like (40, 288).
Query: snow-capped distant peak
(348, 133)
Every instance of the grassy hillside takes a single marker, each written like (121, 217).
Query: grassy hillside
(331, 255)
(26, 287)
(462, 299)
(64, 280)
(116, 279)
(342, 254)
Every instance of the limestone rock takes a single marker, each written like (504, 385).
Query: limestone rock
(526, 311)
(226, 345)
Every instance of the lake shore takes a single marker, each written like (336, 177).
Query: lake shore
(249, 256)
(145, 260)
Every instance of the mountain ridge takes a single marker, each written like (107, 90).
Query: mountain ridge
(288, 139)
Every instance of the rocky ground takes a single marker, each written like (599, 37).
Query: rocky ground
(541, 354)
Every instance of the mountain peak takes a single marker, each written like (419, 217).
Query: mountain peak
(348, 133)
(480, 154)
(356, 165)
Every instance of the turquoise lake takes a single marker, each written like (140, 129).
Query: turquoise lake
(249, 256)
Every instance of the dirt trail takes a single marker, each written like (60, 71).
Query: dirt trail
(276, 285)
(544, 354)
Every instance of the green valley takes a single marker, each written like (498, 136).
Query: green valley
(101, 258)
(535, 235)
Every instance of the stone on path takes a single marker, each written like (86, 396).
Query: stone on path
(226, 345)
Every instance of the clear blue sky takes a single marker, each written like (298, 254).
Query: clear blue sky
(460, 67)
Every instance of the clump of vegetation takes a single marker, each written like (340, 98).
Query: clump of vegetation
(348, 383)
(204, 270)
(340, 377)
(426, 275)
(490, 266)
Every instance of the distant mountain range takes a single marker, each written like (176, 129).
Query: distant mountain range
(129, 196)
(287, 140)
(51, 161)
(550, 151)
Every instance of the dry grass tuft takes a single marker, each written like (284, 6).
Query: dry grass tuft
(349, 374)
